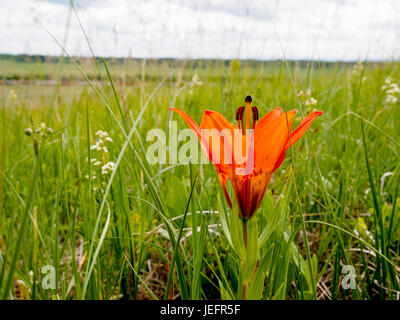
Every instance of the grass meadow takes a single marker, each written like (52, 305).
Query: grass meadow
(80, 222)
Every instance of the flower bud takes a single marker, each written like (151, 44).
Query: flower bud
(28, 131)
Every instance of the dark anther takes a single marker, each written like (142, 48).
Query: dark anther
(239, 113)
(255, 116)
(255, 113)
(248, 99)
(239, 117)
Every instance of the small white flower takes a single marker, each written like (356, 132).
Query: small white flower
(196, 80)
(93, 176)
(108, 139)
(97, 146)
(13, 94)
(391, 99)
(97, 163)
(311, 101)
(393, 89)
(101, 134)
(109, 166)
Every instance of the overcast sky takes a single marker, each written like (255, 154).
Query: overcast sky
(257, 29)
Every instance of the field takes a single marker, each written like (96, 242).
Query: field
(84, 222)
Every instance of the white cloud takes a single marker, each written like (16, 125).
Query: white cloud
(298, 29)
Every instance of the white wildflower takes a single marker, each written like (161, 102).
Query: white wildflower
(13, 95)
(357, 71)
(196, 80)
(101, 134)
(311, 101)
(108, 168)
(392, 91)
(93, 176)
(97, 146)
(391, 99)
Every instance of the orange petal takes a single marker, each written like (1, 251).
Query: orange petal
(216, 121)
(219, 130)
(191, 123)
(280, 160)
(270, 142)
(297, 134)
(210, 122)
(303, 127)
(226, 169)
(268, 118)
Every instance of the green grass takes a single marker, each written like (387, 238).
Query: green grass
(165, 231)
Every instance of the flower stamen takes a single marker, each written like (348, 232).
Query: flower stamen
(239, 118)
(248, 108)
(255, 116)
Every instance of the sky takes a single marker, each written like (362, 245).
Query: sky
(221, 29)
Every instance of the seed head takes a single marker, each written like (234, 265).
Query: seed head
(28, 131)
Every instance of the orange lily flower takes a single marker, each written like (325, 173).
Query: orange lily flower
(265, 148)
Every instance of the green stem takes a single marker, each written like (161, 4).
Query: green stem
(245, 237)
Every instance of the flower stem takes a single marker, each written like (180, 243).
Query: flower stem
(245, 229)
(245, 236)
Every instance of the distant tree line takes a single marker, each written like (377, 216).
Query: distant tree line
(194, 63)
